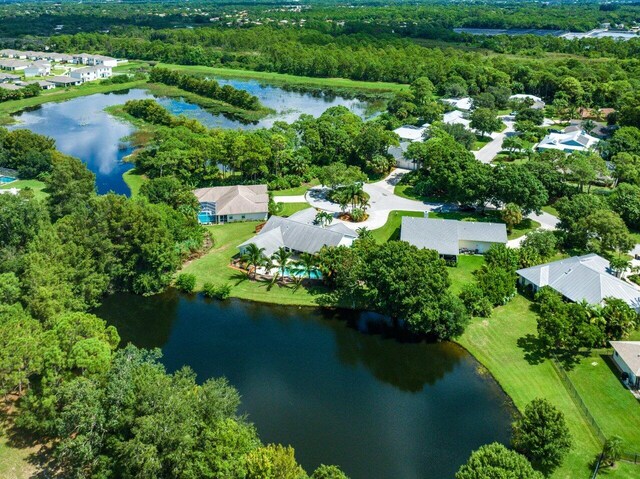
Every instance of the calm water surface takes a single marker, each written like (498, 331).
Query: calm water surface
(83, 129)
(316, 380)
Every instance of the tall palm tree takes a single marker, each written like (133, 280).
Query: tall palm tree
(323, 218)
(307, 264)
(282, 257)
(253, 256)
(364, 233)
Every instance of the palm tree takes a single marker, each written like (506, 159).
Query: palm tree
(323, 218)
(282, 257)
(364, 233)
(307, 264)
(612, 450)
(253, 256)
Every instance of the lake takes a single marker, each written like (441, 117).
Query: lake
(83, 129)
(320, 381)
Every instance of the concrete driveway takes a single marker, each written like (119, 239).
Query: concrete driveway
(488, 152)
(382, 201)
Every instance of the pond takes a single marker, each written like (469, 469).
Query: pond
(83, 129)
(320, 381)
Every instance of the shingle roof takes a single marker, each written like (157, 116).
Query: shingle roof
(444, 236)
(291, 234)
(629, 351)
(582, 278)
(235, 200)
(10, 86)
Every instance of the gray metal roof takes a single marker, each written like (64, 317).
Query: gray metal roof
(629, 351)
(296, 236)
(444, 236)
(583, 278)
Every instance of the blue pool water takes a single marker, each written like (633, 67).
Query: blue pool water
(205, 218)
(7, 179)
(315, 274)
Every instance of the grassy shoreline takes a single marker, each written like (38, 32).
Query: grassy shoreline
(282, 78)
(7, 108)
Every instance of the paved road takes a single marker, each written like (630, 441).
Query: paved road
(382, 201)
(489, 151)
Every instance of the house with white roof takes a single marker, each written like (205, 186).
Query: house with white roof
(465, 103)
(228, 204)
(451, 237)
(38, 68)
(91, 73)
(408, 134)
(13, 65)
(456, 117)
(626, 355)
(581, 278)
(538, 103)
(569, 142)
(298, 237)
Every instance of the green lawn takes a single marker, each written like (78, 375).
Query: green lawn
(290, 79)
(290, 208)
(462, 273)
(38, 187)
(14, 462)
(391, 229)
(296, 191)
(611, 404)
(480, 142)
(492, 216)
(550, 209)
(134, 181)
(60, 94)
(502, 344)
(406, 191)
(214, 267)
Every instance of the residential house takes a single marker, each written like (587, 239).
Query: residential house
(407, 134)
(298, 237)
(8, 77)
(91, 73)
(38, 68)
(228, 204)
(64, 81)
(45, 85)
(538, 103)
(10, 86)
(452, 237)
(13, 65)
(581, 278)
(626, 355)
(94, 60)
(569, 142)
(9, 53)
(460, 103)
(456, 117)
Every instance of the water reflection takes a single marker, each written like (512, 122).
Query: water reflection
(378, 407)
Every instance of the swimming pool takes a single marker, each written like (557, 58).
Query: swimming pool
(7, 179)
(315, 274)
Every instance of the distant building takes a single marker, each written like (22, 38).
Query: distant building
(456, 117)
(94, 60)
(460, 103)
(8, 77)
(91, 73)
(451, 237)
(64, 81)
(538, 103)
(298, 237)
(45, 85)
(13, 65)
(228, 204)
(38, 69)
(9, 53)
(626, 355)
(568, 142)
(407, 135)
(10, 86)
(581, 278)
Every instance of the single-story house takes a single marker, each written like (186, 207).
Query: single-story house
(408, 134)
(91, 73)
(228, 204)
(626, 355)
(451, 237)
(298, 237)
(64, 81)
(13, 65)
(456, 117)
(460, 103)
(581, 278)
(45, 85)
(538, 103)
(39, 68)
(10, 86)
(8, 77)
(568, 142)
(9, 53)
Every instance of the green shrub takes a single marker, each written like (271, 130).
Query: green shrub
(218, 291)
(186, 282)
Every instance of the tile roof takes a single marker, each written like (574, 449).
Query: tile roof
(583, 278)
(237, 199)
(444, 236)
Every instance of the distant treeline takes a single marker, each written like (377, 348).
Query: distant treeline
(207, 88)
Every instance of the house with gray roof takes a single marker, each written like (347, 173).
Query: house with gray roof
(626, 355)
(581, 278)
(569, 142)
(451, 237)
(64, 81)
(297, 237)
(228, 204)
